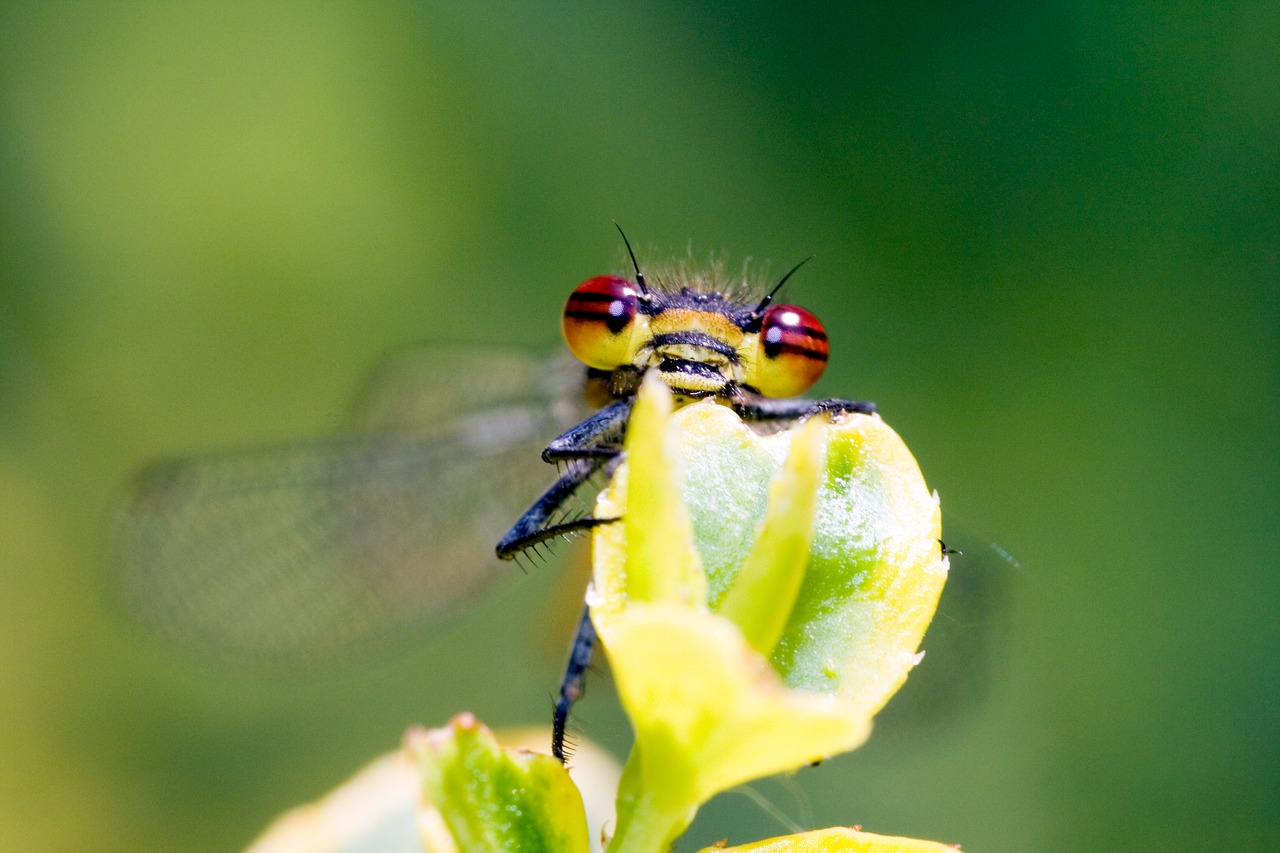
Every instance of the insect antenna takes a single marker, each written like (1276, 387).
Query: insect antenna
(764, 303)
(644, 288)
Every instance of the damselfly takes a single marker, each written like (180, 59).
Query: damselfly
(308, 547)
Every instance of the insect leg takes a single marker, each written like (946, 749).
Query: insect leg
(592, 444)
(532, 528)
(598, 436)
(574, 681)
(794, 408)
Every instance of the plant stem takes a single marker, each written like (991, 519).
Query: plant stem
(649, 819)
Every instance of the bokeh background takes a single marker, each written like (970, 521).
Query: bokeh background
(1047, 244)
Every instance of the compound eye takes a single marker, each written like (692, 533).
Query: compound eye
(792, 352)
(599, 320)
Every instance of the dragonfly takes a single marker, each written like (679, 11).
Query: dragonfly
(319, 546)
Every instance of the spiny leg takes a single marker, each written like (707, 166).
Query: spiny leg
(532, 527)
(574, 681)
(793, 408)
(592, 445)
(598, 436)
(587, 447)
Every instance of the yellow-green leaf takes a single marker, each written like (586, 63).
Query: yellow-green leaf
(379, 809)
(764, 592)
(875, 567)
(838, 840)
(652, 555)
(478, 797)
(763, 597)
(709, 713)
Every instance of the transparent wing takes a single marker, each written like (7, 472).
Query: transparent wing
(314, 548)
(418, 389)
(964, 642)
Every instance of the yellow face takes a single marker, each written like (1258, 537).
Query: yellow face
(700, 344)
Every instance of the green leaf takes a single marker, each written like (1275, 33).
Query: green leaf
(378, 809)
(479, 797)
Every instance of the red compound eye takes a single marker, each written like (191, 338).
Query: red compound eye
(792, 352)
(599, 320)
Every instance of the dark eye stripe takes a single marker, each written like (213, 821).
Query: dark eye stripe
(773, 334)
(594, 315)
(603, 309)
(588, 296)
(803, 341)
(796, 337)
(807, 331)
(775, 350)
(599, 312)
(609, 306)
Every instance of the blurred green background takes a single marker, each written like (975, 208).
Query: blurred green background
(1047, 240)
